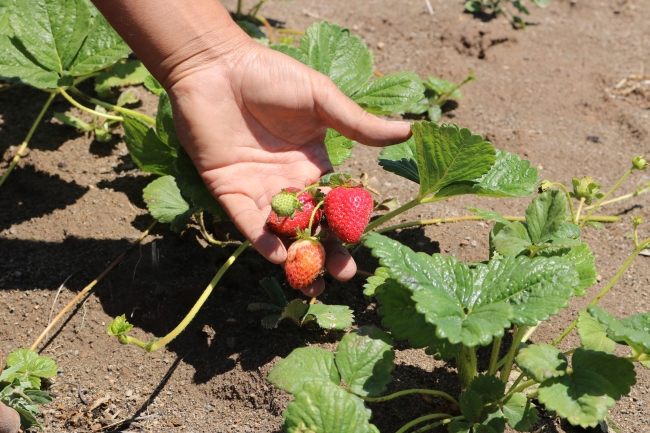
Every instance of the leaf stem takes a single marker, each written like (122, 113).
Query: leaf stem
(466, 365)
(422, 419)
(476, 218)
(209, 239)
(577, 218)
(132, 113)
(407, 392)
(619, 274)
(636, 193)
(313, 214)
(88, 110)
(157, 344)
(85, 77)
(569, 199)
(24, 144)
(616, 185)
(239, 8)
(438, 424)
(510, 358)
(521, 387)
(89, 287)
(494, 357)
(389, 215)
(291, 32)
(268, 27)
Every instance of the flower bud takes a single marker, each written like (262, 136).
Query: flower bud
(639, 163)
(545, 185)
(637, 221)
(586, 189)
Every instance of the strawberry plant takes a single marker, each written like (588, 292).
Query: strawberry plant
(495, 7)
(56, 45)
(436, 94)
(20, 384)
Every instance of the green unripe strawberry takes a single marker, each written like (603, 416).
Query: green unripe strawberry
(286, 203)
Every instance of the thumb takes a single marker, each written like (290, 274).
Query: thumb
(344, 115)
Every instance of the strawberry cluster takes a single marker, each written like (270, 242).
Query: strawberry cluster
(297, 215)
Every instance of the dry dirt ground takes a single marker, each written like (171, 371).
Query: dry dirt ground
(547, 93)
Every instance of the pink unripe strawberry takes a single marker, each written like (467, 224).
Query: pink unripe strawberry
(305, 262)
(290, 225)
(348, 211)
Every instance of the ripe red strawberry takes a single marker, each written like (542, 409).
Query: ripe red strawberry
(288, 226)
(348, 211)
(305, 262)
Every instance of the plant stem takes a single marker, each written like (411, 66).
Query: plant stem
(209, 239)
(438, 424)
(568, 197)
(89, 287)
(510, 358)
(238, 13)
(389, 215)
(422, 419)
(291, 32)
(157, 344)
(88, 110)
(131, 113)
(577, 218)
(407, 392)
(623, 197)
(254, 11)
(476, 218)
(616, 185)
(85, 77)
(466, 365)
(494, 357)
(24, 144)
(313, 214)
(609, 285)
(521, 387)
(267, 25)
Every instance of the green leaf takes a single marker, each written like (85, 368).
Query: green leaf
(459, 427)
(336, 53)
(119, 326)
(435, 113)
(295, 310)
(376, 280)
(510, 176)
(489, 387)
(633, 331)
(165, 122)
(21, 358)
(191, 185)
(584, 261)
(593, 335)
(510, 239)
(322, 407)
(251, 29)
(365, 359)
(334, 179)
(401, 160)
(153, 85)
(489, 215)
(545, 215)
(73, 121)
(339, 148)
(331, 316)
(583, 396)
(34, 366)
(127, 73)
(38, 396)
(393, 93)
(520, 412)
(494, 423)
(27, 417)
(542, 361)
(42, 366)
(471, 405)
(270, 322)
(6, 14)
(406, 323)
(304, 365)
(147, 150)
(446, 154)
(472, 305)
(127, 97)
(273, 289)
(166, 204)
(442, 87)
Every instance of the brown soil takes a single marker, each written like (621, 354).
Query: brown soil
(546, 93)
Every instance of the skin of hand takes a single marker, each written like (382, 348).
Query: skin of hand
(252, 119)
(9, 418)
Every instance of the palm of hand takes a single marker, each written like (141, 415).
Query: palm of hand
(252, 130)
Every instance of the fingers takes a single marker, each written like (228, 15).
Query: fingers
(251, 221)
(338, 260)
(344, 115)
(315, 288)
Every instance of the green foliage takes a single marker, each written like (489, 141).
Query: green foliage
(520, 412)
(20, 384)
(51, 42)
(347, 61)
(119, 326)
(495, 7)
(326, 316)
(436, 93)
(471, 305)
(122, 73)
(593, 336)
(166, 204)
(633, 331)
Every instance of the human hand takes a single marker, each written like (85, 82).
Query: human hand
(253, 121)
